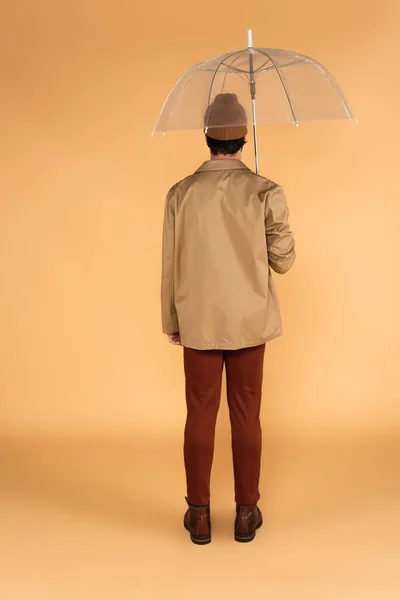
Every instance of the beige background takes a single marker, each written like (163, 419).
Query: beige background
(92, 405)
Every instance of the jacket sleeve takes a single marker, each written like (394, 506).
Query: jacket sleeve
(169, 316)
(280, 240)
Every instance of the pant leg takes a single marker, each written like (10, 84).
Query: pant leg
(244, 372)
(203, 372)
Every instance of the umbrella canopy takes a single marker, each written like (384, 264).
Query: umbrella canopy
(285, 86)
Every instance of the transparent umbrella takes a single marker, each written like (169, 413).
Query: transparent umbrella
(274, 86)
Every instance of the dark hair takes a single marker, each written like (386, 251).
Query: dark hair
(225, 147)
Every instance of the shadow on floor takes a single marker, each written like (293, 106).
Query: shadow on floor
(139, 483)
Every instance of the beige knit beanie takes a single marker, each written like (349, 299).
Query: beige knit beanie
(225, 118)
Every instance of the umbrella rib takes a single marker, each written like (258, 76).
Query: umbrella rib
(283, 84)
(191, 71)
(215, 73)
(233, 68)
(238, 73)
(168, 97)
(246, 79)
(263, 71)
(264, 63)
(333, 81)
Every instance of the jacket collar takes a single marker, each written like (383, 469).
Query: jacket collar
(221, 164)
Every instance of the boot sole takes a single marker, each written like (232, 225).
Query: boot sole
(199, 540)
(244, 538)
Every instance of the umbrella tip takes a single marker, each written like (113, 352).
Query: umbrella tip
(250, 38)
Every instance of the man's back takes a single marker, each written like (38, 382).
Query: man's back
(217, 289)
(224, 227)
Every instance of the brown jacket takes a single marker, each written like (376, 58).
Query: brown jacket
(224, 227)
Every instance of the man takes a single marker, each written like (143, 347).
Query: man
(224, 227)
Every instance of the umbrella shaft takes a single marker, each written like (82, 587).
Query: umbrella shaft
(253, 97)
(252, 80)
(253, 107)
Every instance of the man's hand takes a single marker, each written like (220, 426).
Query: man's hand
(175, 339)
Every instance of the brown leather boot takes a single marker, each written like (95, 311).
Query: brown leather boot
(248, 520)
(198, 523)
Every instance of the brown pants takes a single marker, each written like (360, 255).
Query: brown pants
(244, 374)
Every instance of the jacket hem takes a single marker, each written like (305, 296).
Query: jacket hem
(229, 347)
